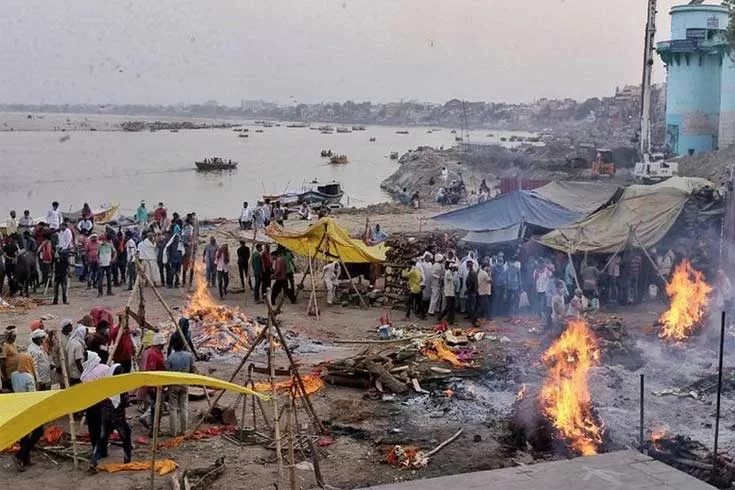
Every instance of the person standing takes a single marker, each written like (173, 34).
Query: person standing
(484, 293)
(500, 286)
(160, 216)
(513, 286)
(280, 284)
(438, 272)
(450, 284)
(154, 362)
(471, 288)
(426, 291)
(53, 217)
(173, 254)
(148, 255)
(278, 213)
(257, 264)
(223, 269)
(120, 266)
(75, 348)
(290, 271)
(162, 266)
(123, 354)
(259, 216)
(61, 276)
(141, 215)
(558, 309)
(11, 226)
(91, 250)
(106, 256)
(94, 369)
(41, 362)
(25, 222)
(188, 239)
(330, 274)
(243, 263)
(415, 278)
(267, 264)
(246, 217)
(178, 395)
(210, 261)
(23, 381)
(542, 276)
(113, 418)
(131, 258)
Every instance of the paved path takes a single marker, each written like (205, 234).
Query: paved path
(622, 470)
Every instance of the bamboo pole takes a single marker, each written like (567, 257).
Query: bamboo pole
(653, 262)
(289, 428)
(362, 300)
(72, 428)
(272, 380)
(318, 248)
(312, 296)
(154, 442)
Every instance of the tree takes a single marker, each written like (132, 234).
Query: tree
(730, 33)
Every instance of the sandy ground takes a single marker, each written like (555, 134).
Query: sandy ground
(366, 428)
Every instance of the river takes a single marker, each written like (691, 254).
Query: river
(39, 165)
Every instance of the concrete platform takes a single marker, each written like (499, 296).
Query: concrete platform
(622, 470)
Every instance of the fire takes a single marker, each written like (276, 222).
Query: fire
(689, 294)
(218, 327)
(657, 434)
(312, 384)
(565, 397)
(522, 393)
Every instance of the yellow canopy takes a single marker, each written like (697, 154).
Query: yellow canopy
(20, 413)
(328, 241)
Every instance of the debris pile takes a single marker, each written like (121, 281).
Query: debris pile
(616, 344)
(19, 303)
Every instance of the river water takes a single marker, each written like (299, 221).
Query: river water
(103, 167)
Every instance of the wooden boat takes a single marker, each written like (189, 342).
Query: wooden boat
(402, 131)
(394, 155)
(327, 153)
(344, 130)
(338, 159)
(99, 215)
(323, 194)
(215, 164)
(258, 130)
(372, 140)
(243, 135)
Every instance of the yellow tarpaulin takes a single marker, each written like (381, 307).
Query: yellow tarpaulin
(20, 413)
(328, 241)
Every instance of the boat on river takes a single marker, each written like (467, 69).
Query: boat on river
(215, 163)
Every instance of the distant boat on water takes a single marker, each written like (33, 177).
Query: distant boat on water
(215, 163)
(402, 131)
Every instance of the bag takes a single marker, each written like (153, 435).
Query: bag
(523, 301)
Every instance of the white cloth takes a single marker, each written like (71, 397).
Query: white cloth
(41, 363)
(93, 367)
(330, 273)
(85, 225)
(150, 267)
(65, 239)
(131, 249)
(147, 250)
(246, 215)
(426, 268)
(54, 219)
(437, 273)
(11, 226)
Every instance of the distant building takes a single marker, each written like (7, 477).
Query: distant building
(700, 98)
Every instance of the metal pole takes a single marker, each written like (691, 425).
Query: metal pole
(643, 385)
(719, 390)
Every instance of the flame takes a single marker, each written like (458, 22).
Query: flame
(565, 397)
(219, 328)
(658, 433)
(312, 384)
(521, 394)
(689, 294)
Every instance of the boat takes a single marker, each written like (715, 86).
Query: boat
(173, 130)
(327, 153)
(401, 131)
(454, 131)
(327, 194)
(457, 138)
(258, 130)
(215, 163)
(267, 125)
(243, 135)
(344, 130)
(100, 215)
(394, 155)
(372, 140)
(358, 128)
(503, 138)
(324, 131)
(325, 128)
(297, 125)
(338, 159)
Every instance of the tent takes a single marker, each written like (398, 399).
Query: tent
(326, 240)
(581, 197)
(648, 211)
(20, 413)
(500, 219)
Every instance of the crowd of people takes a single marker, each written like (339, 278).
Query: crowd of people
(95, 347)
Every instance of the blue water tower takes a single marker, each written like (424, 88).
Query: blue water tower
(694, 58)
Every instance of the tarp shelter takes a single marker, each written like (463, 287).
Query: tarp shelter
(581, 197)
(327, 241)
(650, 210)
(20, 413)
(496, 220)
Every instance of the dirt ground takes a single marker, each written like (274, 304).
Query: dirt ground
(363, 429)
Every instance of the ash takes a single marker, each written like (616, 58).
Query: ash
(689, 371)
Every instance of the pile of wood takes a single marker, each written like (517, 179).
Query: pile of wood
(694, 458)
(616, 343)
(392, 372)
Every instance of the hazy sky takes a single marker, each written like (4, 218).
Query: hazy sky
(188, 51)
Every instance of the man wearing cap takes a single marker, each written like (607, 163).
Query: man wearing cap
(41, 361)
(154, 362)
(141, 215)
(437, 275)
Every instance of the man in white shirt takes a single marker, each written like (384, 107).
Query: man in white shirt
(25, 222)
(41, 361)
(246, 217)
(85, 226)
(53, 217)
(148, 255)
(66, 238)
(11, 227)
(131, 250)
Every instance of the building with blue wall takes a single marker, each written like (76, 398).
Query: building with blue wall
(700, 100)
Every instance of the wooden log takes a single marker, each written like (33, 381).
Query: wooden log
(388, 380)
(349, 381)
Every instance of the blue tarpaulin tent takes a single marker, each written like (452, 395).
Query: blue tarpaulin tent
(506, 212)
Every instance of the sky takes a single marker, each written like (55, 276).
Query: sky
(308, 51)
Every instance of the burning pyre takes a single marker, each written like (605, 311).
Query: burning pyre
(564, 398)
(689, 294)
(219, 328)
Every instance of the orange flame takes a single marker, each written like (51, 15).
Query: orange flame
(565, 397)
(657, 434)
(221, 328)
(689, 294)
(522, 393)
